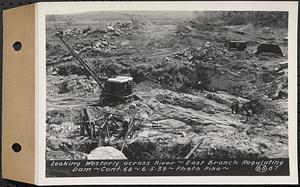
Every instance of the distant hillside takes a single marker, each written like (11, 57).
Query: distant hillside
(257, 18)
(124, 15)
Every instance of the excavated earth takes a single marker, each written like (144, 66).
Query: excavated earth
(175, 114)
(175, 122)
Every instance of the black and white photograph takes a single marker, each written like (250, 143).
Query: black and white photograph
(150, 92)
(155, 85)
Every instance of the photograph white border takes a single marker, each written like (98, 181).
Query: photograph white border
(43, 9)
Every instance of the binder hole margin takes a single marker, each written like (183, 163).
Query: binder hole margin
(17, 46)
(16, 147)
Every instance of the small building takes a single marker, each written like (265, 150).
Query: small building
(236, 45)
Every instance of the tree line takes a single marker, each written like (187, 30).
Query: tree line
(257, 18)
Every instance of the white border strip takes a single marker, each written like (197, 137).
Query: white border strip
(36, 105)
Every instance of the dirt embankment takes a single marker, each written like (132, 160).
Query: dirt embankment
(174, 123)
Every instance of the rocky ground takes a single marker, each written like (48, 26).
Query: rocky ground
(166, 60)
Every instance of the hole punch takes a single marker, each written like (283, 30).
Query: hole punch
(16, 147)
(17, 46)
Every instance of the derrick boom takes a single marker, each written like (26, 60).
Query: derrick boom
(75, 55)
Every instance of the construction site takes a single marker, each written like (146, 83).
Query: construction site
(167, 85)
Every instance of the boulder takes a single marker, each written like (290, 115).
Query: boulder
(270, 48)
(106, 153)
(283, 93)
(211, 111)
(209, 96)
(109, 28)
(63, 88)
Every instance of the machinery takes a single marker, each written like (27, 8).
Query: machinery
(116, 89)
(108, 127)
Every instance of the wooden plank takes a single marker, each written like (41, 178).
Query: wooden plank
(194, 149)
(130, 125)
